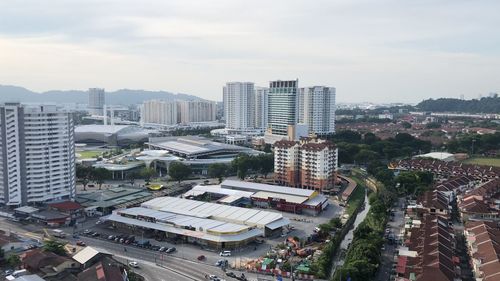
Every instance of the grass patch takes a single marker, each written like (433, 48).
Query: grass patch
(483, 161)
(89, 154)
(356, 198)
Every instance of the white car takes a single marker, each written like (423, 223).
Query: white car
(225, 254)
(133, 264)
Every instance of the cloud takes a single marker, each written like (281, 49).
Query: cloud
(370, 50)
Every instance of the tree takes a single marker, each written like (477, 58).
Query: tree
(99, 175)
(83, 174)
(178, 171)
(54, 247)
(131, 177)
(406, 125)
(266, 163)
(242, 164)
(147, 173)
(217, 170)
(13, 261)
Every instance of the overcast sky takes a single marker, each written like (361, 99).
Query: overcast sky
(376, 51)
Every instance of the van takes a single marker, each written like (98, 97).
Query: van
(225, 253)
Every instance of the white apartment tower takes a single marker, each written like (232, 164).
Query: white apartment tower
(37, 154)
(261, 107)
(196, 111)
(159, 112)
(316, 108)
(96, 101)
(239, 105)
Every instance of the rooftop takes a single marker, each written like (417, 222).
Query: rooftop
(250, 217)
(112, 197)
(193, 146)
(255, 187)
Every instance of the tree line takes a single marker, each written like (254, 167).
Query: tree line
(483, 105)
(355, 148)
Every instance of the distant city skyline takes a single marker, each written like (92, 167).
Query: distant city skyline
(371, 51)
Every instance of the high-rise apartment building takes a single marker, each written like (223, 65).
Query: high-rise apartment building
(239, 105)
(309, 163)
(282, 104)
(159, 112)
(97, 100)
(196, 111)
(37, 154)
(261, 107)
(316, 108)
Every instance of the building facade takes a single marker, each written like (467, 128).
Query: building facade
(261, 107)
(196, 111)
(283, 107)
(159, 112)
(239, 105)
(316, 108)
(310, 163)
(97, 99)
(37, 154)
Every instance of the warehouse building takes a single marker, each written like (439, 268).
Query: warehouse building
(277, 197)
(209, 224)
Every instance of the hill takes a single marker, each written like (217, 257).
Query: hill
(123, 96)
(483, 105)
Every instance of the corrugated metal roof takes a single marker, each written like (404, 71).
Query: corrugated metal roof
(256, 187)
(201, 234)
(211, 210)
(289, 198)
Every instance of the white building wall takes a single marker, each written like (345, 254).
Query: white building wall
(261, 107)
(317, 109)
(159, 112)
(97, 99)
(39, 155)
(239, 105)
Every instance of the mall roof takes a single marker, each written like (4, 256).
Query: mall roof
(255, 187)
(215, 211)
(191, 146)
(109, 129)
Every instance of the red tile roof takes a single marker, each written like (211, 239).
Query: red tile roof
(66, 206)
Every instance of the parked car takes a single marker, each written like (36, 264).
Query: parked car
(163, 249)
(86, 232)
(171, 250)
(231, 274)
(111, 237)
(133, 264)
(155, 248)
(225, 254)
(219, 263)
(80, 243)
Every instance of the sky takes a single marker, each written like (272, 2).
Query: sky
(370, 50)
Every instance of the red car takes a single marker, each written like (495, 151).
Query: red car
(202, 257)
(80, 243)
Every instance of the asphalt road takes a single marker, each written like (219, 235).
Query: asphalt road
(387, 260)
(168, 266)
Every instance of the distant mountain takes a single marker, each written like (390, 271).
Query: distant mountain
(123, 96)
(483, 105)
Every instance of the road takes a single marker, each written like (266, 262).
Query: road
(387, 259)
(168, 266)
